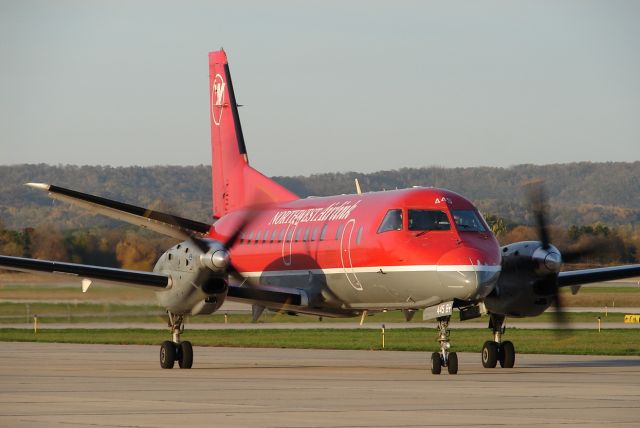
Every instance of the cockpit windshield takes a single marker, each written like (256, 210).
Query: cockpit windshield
(391, 221)
(468, 221)
(428, 220)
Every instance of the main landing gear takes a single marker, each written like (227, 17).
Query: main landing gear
(444, 358)
(498, 351)
(172, 351)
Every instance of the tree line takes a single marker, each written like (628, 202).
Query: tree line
(128, 247)
(608, 245)
(582, 193)
(590, 204)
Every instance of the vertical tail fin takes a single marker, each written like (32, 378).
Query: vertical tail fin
(235, 183)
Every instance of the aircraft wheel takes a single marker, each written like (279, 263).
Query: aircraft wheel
(507, 355)
(436, 363)
(489, 354)
(452, 364)
(185, 355)
(167, 354)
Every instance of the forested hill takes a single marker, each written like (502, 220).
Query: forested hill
(579, 193)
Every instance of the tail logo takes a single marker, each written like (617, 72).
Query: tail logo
(217, 99)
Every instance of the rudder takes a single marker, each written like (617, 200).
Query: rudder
(235, 183)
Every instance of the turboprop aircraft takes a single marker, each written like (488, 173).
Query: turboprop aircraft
(344, 256)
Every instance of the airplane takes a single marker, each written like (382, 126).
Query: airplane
(413, 249)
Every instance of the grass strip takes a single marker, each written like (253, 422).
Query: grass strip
(607, 342)
(12, 312)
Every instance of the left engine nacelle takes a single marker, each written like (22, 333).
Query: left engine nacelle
(527, 283)
(198, 279)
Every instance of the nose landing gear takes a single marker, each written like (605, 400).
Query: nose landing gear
(172, 351)
(498, 351)
(444, 358)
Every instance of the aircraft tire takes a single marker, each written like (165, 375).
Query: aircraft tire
(185, 355)
(436, 363)
(167, 354)
(507, 355)
(489, 354)
(452, 365)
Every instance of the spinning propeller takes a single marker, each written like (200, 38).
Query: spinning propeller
(547, 260)
(215, 254)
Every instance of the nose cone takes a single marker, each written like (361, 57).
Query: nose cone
(469, 272)
(548, 260)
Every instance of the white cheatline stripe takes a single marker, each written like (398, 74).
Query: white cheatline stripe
(374, 269)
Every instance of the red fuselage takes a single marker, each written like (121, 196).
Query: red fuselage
(347, 252)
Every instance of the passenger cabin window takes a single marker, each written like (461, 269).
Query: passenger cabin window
(314, 235)
(242, 238)
(339, 231)
(281, 235)
(323, 232)
(249, 237)
(359, 236)
(258, 234)
(422, 220)
(289, 235)
(265, 236)
(391, 221)
(468, 221)
(305, 238)
(273, 235)
(298, 233)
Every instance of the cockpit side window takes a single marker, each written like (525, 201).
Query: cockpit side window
(428, 220)
(391, 221)
(468, 221)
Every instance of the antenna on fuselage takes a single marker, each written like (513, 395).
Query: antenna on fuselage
(358, 190)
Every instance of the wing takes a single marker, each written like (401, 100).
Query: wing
(121, 276)
(290, 300)
(269, 296)
(586, 276)
(157, 221)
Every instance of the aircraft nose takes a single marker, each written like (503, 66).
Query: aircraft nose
(468, 272)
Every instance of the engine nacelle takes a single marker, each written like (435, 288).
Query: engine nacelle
(527, 283)
(198, 280)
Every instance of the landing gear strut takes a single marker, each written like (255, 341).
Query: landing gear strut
(498, 351)
(444, 357)
(172, 351)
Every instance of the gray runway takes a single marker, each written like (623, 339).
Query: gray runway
(44, 385)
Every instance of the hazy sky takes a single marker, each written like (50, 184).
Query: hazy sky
(326, 86)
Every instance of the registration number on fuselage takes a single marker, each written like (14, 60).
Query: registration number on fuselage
(441, 310)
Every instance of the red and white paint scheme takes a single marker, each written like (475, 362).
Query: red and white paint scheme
(337, 248)
(349, 255)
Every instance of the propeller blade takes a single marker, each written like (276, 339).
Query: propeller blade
(203, 245)
(560, 315)
(232, 270)
(188, 235)
(248, 218)
(574, 256)
(547, 286)
(596, 246)
(518, 264)
(200, 243)
(538, 203)
(231, 241)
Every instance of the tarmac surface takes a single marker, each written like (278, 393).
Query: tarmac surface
(48, 385)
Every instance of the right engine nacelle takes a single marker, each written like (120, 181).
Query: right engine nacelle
(526, 286)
